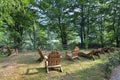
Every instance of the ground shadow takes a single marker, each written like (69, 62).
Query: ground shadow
(32, 71)
(27, 59)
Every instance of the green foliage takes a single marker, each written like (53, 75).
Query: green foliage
(17, 19)
(98, 20)
(113, 62)
(3, 52)
(8, 6)
(86, 43)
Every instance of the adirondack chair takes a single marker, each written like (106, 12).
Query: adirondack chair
(97, 52)
(112, 49)
(74, 54)
(89, 54)
(10, 51)
(53, 61)
(104, 50)
(42, 57)
(101, 50)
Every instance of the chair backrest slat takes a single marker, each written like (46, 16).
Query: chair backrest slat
(54, 58)
(75, 52)
(9, 51)
(41, 54)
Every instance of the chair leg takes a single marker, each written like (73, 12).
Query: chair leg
(93, 57)
(72, 59)
(78, 58)
(108, 51)
(98, 55)
(61, 69)
(46, 66)
(66, 56)
(47, 69)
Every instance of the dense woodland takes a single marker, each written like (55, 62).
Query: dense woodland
(59, 24)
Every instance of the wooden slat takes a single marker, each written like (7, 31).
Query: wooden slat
(42, 57)
(74, 53)
(53, 60)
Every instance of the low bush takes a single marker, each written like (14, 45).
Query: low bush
(3, 52)
(113, 61)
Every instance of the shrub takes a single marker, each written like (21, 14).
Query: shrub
(3, 52)
(113, 62)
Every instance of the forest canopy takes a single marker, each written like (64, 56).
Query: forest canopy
(59, 24)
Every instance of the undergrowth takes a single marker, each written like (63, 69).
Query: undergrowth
(113, 61)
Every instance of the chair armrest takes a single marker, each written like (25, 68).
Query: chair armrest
(46, 57)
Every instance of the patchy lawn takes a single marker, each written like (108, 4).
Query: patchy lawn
(26, 67)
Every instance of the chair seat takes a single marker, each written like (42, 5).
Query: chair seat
(69, 54)
(73, 54)
(86, 52)
(54, 66)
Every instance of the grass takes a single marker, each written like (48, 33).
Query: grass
(25, 67)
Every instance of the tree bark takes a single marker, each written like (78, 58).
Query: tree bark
(101, 31)
(63, 34)
(82, 26)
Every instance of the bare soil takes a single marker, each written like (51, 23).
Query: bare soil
(115, 74)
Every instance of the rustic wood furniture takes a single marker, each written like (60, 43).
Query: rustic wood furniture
(53, 61)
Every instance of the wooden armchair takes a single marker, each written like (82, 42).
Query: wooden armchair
(74, 54)
(108, 49)
(42, 57)
(89, 54)
(10, 51)
(53, 61)
(97, 52)
(101, 50)
(112, 49)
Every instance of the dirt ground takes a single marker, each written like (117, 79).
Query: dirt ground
(115, 74)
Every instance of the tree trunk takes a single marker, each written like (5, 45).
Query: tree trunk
(101, 32)
(63, 34)
(34, 35)
(82, 26)
(18, 38)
